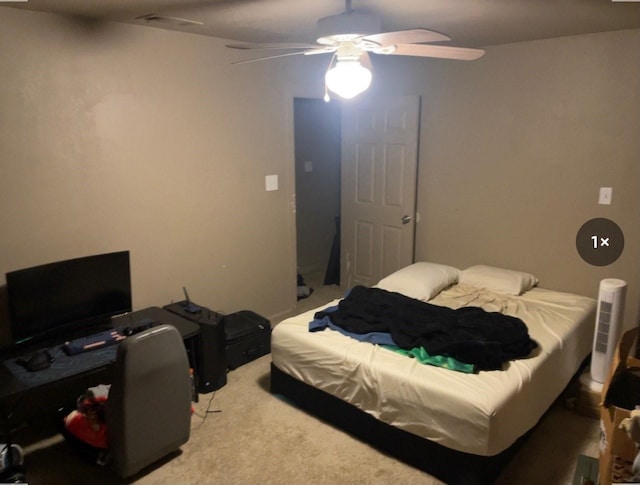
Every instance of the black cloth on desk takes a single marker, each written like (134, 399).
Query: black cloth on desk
(62, 367)
(469, 334)
(9, 383)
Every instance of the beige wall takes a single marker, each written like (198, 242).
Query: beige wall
(126, 137)
(514, 150)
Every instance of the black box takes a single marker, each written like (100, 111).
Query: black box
(248, 336)
(210, 359)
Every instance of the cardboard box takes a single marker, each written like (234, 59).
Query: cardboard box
(621, 393)
(588, 402)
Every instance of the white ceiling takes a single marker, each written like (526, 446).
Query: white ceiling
(470, 23)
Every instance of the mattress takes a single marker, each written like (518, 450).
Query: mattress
(481, 413)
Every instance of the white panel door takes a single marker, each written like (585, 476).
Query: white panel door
(379, 171)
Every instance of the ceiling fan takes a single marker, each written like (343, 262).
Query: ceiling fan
(350, 37)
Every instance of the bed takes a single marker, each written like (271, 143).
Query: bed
(433, 414)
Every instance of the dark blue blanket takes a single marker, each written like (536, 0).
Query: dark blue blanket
(470, 334)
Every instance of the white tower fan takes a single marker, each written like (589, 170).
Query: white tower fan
(609, 316)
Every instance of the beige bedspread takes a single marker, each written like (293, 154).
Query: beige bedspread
(480, 413)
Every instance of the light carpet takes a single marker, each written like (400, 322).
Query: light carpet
(253, 437)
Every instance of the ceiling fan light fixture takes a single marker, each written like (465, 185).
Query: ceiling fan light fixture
(347, 26)
(348, 78)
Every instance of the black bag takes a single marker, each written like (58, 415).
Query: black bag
(248, 336)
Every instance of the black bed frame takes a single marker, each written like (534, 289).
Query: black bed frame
(450, 466)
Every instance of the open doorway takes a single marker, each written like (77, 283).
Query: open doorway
(317, 141)
(366, 201)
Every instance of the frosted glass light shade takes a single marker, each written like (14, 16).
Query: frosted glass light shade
(348, 79)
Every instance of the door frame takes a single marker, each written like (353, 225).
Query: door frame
(291, 181)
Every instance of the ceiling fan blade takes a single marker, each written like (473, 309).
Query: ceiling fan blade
(320, 50)
(246, 61)
(413, 36)
(283, 46)
(440, 51)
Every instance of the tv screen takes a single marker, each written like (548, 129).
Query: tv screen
(48, 299)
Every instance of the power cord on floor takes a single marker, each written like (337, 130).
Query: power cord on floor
(207, 412)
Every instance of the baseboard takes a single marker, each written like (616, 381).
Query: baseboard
(278, 317)
(310, 268)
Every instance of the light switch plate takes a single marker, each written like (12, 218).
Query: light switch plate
(271, 183)
(606, 193)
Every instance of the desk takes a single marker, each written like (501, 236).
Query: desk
(16, 381)
(187, 328)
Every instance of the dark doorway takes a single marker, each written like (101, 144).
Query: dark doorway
(317, 138)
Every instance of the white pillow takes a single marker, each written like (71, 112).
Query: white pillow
(421, 281)
(498, 279)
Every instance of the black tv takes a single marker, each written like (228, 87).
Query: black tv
(47, 300)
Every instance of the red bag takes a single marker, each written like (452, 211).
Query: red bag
(87, 423)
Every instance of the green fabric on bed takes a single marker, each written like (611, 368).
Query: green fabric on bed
(422, 356)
